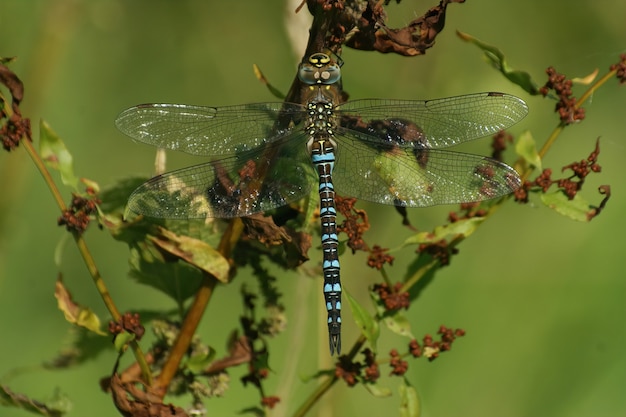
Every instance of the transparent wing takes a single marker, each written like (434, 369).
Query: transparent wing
(202, 130)
(432, 123)
(234, 186)
(418, 177)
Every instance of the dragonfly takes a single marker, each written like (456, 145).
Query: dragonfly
(267, 155)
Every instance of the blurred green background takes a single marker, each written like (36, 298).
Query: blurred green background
(542, 298)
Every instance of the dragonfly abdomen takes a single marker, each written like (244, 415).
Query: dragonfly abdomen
(323, 158)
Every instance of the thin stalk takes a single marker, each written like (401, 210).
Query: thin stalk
(86, 255)
(196, 311)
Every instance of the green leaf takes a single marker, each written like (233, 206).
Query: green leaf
(497, 59)
(409, 400)
(525, 147)
(425, 280)
(122, 340)
(377, 390)
(55, 154)
(200, 360)
(80, 345)
(193, 251)
(324, 373)
(399, 324)
(576, 209)
(178, 280)
(395, 321)
(114, 198)
(273, 90)
(57, 406)
(75, 313)
(464, 227)
(253, 411)
(369, 327)
(157, 245)
(60, 248)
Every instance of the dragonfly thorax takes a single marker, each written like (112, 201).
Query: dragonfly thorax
(321, 121)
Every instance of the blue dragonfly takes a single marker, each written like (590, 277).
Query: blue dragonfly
(266, 155)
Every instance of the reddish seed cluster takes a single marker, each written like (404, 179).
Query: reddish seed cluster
(347, 370)
(393, 299)
(620, 67)
(415, 349)
(566, 107)
(398, 366)
(13, 130)
(439, 250)
(378, 257)
(350, 371)
(372, 372)
(570, 185)
(263, 373)
(270, 402)
(466, 211)
(355, 225)
(77, 217)
(431, 348)
(583, 168)
(499, 143)
(328, 5)
(130, 323)
(355, 372)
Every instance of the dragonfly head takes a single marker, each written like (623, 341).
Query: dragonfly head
(319, 69)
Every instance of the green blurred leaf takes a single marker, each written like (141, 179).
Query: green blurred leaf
(273, 90)
(55, 154)
(178, 280)
(420, 262)
(409, 400)
(525, 147)
(57, 406)
(396, 321)
(576, 209)
(376, 390)
(587, 79)
(369, 327)
(74, 313)
(122, 340)
(200, 360)
(497, 59)
(464, 227)
(114, 198)
(399, 324)
(253, 411)
(80, 345)
(60, 248)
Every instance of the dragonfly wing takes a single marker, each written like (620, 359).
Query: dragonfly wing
(234, 186)
(430, 124)
(202, 130)
(418, 177)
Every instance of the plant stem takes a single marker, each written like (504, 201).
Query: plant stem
(196, 311)
(86, 255)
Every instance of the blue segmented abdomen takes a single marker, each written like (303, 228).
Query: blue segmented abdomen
(323, 158)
